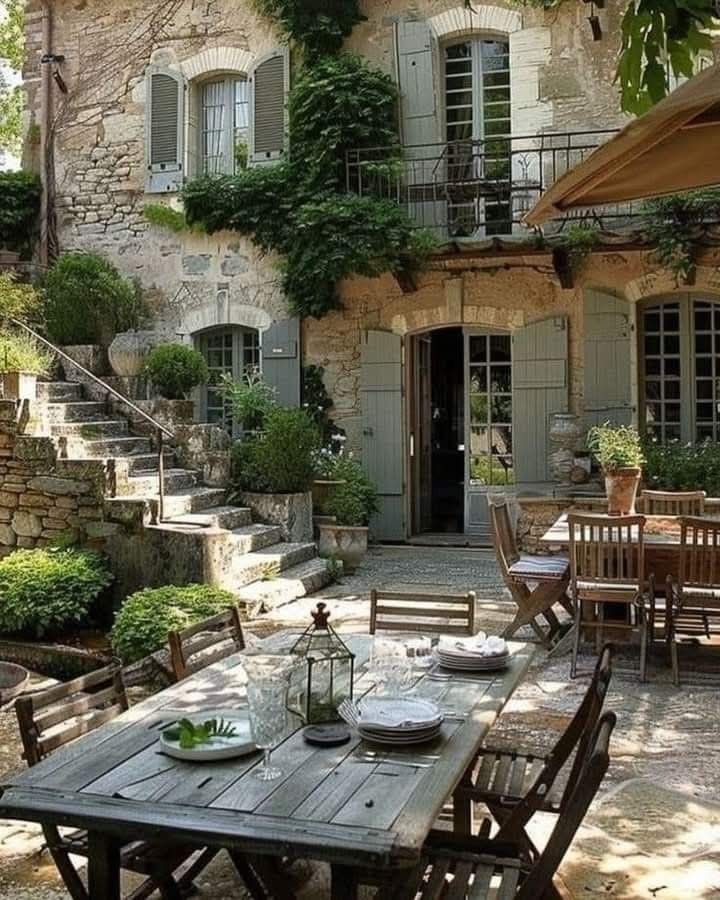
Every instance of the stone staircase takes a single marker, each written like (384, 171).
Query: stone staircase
(202, 537)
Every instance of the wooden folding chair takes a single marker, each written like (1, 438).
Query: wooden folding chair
(422, 613)
(206, 642)
(503, 779)
(607, 565)
(50, 719)
(693, 604)
(548, 575)
(458, 866)
(673, 503)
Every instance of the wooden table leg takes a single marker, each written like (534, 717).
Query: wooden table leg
(463, 806)
(344, 883)
(103, 867)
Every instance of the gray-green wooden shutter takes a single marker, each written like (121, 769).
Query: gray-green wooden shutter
(607, 336)
(164, 130)
(540, 388)
(281, 360)
(420, 123)
(268, 95)
(382, 445)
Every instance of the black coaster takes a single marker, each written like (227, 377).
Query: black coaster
(327, 735)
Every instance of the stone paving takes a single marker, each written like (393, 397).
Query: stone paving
(653, 832)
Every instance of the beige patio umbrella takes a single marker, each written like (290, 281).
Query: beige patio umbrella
(675, 146)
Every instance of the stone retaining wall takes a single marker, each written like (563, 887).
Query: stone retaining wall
(44, 499)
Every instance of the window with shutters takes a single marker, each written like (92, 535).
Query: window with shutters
(680, 368)
(477, 129)
(224, 125)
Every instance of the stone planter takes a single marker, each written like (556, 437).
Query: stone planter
(93, 357)
(621, 487)
(129, 349)
(18, 385)
(170, 413)
(322, 490)
(292, 512)
(348, 543)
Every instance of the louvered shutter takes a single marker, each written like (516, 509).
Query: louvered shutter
(165, 128)
(269, 87)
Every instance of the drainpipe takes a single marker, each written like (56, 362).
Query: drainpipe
(45, 131)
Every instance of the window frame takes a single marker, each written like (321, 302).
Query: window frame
(229, 129)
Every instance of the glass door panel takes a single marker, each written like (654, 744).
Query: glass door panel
(230, 351)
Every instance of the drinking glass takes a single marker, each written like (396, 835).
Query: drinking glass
(267, 699)
(390, 666)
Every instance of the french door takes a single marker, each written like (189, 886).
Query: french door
(488, 425)
(230, 351)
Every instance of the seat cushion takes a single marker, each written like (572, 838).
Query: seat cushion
(540, 568)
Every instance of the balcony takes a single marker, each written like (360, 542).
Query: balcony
(480, 189)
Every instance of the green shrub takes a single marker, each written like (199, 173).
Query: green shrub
(19, 301)
(142, 623)
(175, 370)
(19, 208)
(20, 352)
(615, 447)
(46, 590)
(318, 26)
(677, 467)
(282, 459)
(355, 501)
(88, 301)
(250, 399)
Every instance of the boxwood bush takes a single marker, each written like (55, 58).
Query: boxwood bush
(143, 621)
(683, 467)
(45, 590)
(175, 370)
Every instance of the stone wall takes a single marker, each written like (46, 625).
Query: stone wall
(44, 499)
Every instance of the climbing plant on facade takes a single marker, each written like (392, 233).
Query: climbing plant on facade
(319, 26)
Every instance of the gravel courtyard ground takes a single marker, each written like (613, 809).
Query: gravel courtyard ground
(653, 832)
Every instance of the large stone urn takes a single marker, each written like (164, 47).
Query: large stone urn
(129, 350)
(565, 432)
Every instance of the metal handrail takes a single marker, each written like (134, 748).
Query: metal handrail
(161, 430)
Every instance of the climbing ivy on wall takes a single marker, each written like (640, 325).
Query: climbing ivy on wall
(299, 208)
(319, 26)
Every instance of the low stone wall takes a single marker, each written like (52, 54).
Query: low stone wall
(44, 499)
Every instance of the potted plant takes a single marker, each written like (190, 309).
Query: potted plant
(174, 369)
(618, 451)
(22, 359)
(326, 480)
(273, 471)
(352, 504)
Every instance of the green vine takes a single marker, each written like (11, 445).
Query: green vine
(578, 240)
(170, 219)
(19, 209)
(319, 26)
(300, 209)
(677, 225)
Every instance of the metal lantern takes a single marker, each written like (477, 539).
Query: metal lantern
(324, 677)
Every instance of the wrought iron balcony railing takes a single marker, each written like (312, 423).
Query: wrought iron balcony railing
(477, 189)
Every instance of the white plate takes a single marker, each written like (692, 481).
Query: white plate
(398, 712)
(401, 740)
(240, 744)
(496, 666)
(399, 732)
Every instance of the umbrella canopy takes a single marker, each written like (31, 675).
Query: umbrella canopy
(674, 147)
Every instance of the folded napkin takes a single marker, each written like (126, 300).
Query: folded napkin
(479, 644)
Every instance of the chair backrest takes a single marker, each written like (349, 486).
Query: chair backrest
(607, 549)
(422, 613)
(503, 536)
(66, 711)
(673, 503)
(206, 642)
(699, 552)
(593, 769)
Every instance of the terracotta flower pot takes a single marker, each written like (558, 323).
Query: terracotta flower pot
(621, 488)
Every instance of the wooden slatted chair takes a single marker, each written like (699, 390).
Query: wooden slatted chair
(673, 503)
(422, 613)
(607, 565)
(456, 866)
(536, 583)
(52, 718)
(208, 641)
(694, 602)
(503, 779)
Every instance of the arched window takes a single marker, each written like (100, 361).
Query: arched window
(680, 368)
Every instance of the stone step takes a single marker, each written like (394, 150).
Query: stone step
(58, 391)
(296, 581)
(269, 563)
(228, 517)
(176, 482)
(76, 411)
(192, 500)
(92, 430)
(119, 446)
(142, 463)
(254, 537)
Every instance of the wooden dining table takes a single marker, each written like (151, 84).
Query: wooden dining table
(336, 804)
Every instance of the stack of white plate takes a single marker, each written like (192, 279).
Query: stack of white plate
(476, 654)
(398, 720)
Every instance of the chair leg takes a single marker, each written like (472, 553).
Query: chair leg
(248, 876)
(643, 621)
(69, 874)
(168, 888)
(576, 638)
(600, 630)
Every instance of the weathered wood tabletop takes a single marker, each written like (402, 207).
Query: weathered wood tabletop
(328, 805)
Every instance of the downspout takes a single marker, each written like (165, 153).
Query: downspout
(46, 163)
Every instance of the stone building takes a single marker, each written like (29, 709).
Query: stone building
(447, 390)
